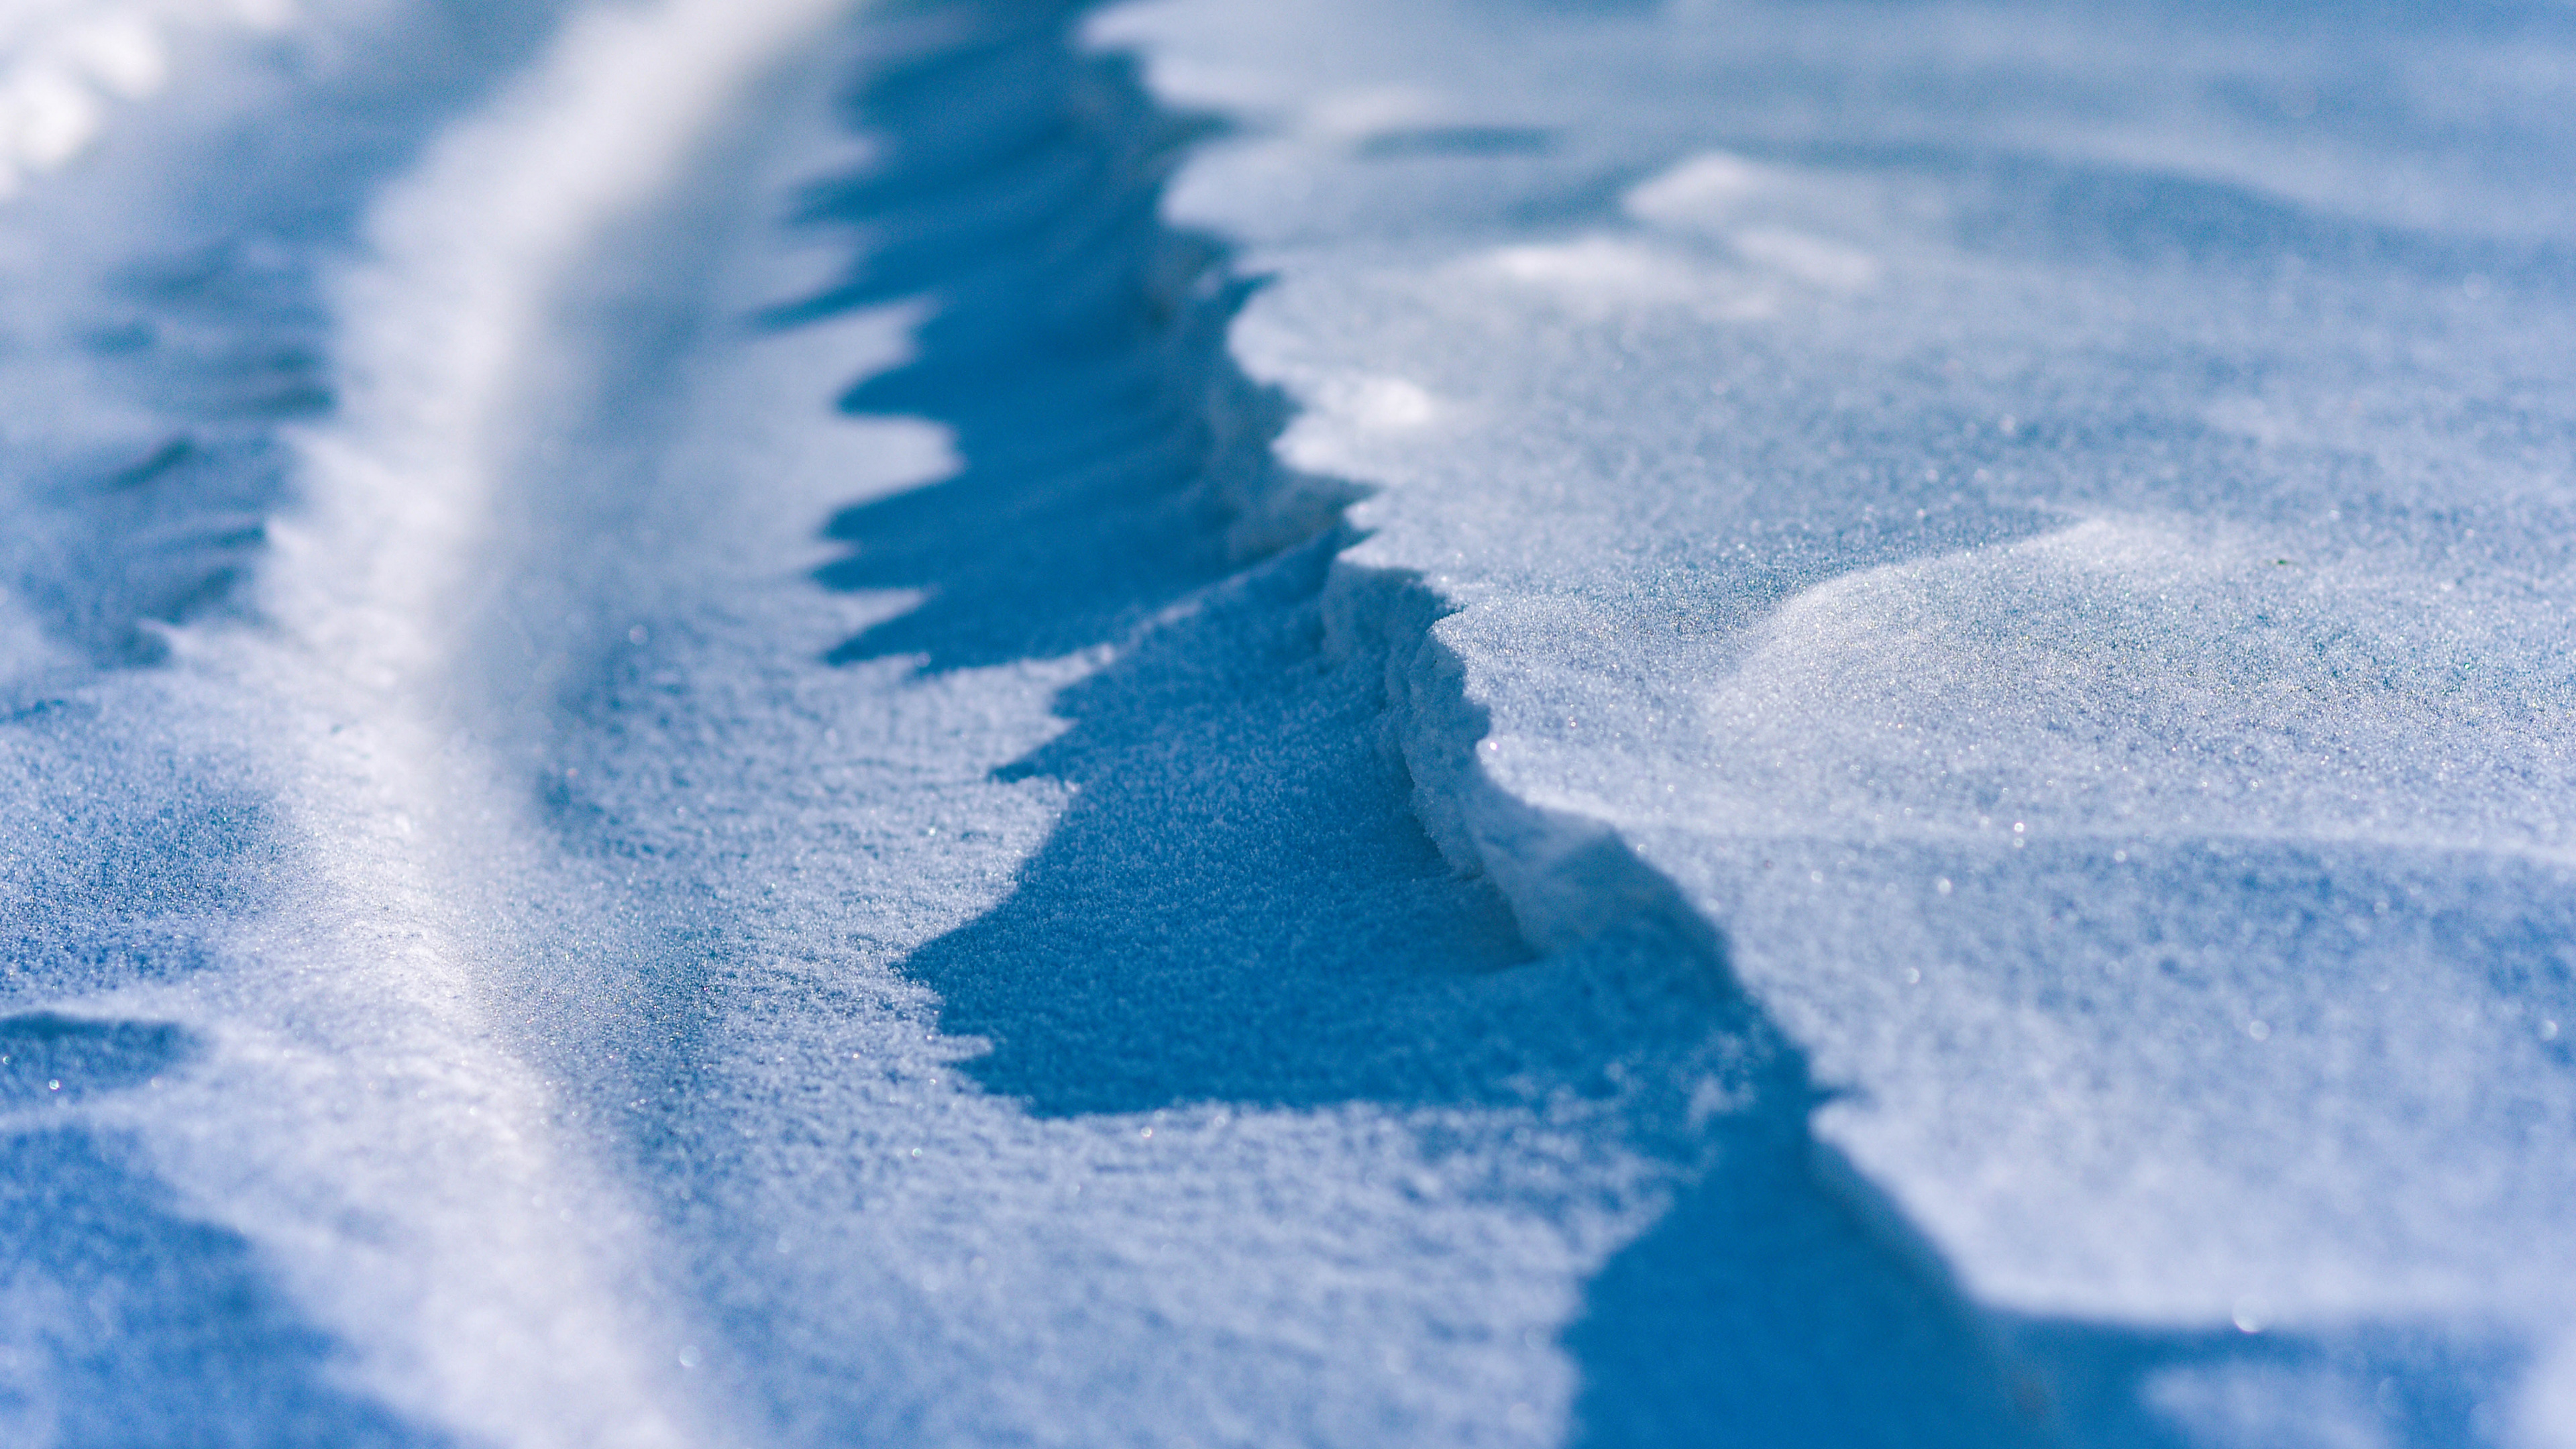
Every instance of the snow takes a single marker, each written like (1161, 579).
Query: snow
(2074, 597)
(67, 62)
(777, 723)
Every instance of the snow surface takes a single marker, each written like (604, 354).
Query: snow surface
(761, 722)
(65, 63)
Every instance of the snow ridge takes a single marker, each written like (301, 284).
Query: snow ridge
(2065, 730)
(916, 864)
(1568, 876)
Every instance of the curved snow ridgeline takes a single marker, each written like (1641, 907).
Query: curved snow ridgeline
(1778, 725)
(1936, 502)
(506, 957)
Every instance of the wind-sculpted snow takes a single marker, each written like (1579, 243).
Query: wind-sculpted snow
(510, 916)
(761, 722)
(2045, 529)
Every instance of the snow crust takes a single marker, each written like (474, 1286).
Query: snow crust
(2047, 528)
(770, 723)
(562, 947)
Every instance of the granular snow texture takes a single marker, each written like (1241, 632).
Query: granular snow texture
(767, 722)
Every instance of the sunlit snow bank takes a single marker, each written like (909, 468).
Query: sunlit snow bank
(2049, 527)
(681, 767)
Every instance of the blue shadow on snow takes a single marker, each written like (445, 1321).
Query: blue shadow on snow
(1238, 904)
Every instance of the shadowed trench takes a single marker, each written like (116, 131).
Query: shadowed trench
(1238, 905)
(1071, 347)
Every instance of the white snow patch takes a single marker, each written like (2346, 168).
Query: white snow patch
(63, 62)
